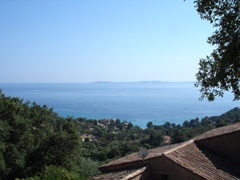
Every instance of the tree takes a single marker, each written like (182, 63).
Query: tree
(179, 136)
(155, 139)
(220, 71)
(149, 125)
(186, 123)
(32, 136)
(55, 172)
(130, 125)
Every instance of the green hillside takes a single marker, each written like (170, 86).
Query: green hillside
(36, 142)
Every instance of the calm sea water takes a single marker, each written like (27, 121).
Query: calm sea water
(139, 103)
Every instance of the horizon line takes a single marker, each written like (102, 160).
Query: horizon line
(147, 81)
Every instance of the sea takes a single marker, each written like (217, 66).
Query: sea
(136, 102)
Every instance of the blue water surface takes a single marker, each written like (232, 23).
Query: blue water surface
(138, 102)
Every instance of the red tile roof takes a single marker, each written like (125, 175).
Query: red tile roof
(153, 153)
(126, 174)
(204, 162)
(189, 155)
(219, 131)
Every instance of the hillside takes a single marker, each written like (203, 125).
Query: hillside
(34, 138)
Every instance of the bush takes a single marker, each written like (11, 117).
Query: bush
(55, 173)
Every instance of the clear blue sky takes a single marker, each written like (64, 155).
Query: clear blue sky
(101, 40)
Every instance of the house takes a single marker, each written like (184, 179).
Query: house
(212, 155)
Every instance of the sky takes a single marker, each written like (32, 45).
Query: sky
(62, 41)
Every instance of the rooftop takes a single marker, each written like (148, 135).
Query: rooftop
(153, 153)
(204, 162)
(120, 175)
(219, 131)
(190, 155)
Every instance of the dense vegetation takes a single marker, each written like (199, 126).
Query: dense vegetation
(36, 142)
(33, 137)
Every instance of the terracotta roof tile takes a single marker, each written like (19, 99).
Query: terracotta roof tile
(189, 155)
(153, 153)
(159, 151)
(126, 174)
(219, 131)
(204, 162)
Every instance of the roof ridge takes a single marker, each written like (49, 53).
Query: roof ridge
(135, 173)
(219, 131)
(178, 147)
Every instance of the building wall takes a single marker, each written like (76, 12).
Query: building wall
(163, 168)
(226, 145)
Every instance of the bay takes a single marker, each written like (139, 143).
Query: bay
(136, 102)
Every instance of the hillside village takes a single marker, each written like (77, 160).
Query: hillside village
(113, 138)
(36, 141)
(105, 123)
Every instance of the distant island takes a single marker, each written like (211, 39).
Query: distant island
(147, 82)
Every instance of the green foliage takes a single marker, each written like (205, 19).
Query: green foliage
(58, 173)
(219, 71)
(87, 167)
(117, 139)
(36, 143)
(188, 129)
(179, 136)
(149, 125)
(55, 173)
(33, 136)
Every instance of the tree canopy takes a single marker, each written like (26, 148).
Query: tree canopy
(36, 143)
(33, 137)
(220, 71)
